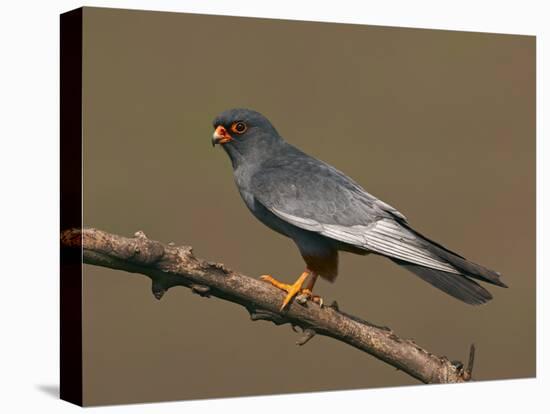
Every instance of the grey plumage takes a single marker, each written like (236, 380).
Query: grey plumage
(324, 211)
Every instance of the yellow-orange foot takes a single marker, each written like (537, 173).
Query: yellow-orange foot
(314, 298)
(292, 290)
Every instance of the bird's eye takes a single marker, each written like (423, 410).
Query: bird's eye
(239, 127)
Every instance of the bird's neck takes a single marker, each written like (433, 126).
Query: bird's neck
(252, 156)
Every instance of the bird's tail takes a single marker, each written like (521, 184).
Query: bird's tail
(460, 286)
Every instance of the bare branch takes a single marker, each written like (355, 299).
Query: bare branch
(169, 265)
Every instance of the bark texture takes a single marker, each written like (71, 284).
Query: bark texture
(168, 265)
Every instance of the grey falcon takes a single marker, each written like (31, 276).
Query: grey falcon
(324, 211)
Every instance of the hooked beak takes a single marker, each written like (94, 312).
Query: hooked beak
(221, 136)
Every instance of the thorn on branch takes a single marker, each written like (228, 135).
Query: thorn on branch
(308, 334)
(201, 290)
(265, 315)
(158, 290)
(334, 305)
(467, 375)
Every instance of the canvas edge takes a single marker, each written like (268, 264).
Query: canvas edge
(71, 379)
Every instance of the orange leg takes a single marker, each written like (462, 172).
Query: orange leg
(311, 281)
(294, 289)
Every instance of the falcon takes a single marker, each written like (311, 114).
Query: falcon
(324, 212)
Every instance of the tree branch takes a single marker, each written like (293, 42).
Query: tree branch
(169, 265)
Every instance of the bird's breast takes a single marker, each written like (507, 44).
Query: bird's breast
(267, 217)
(242, 181)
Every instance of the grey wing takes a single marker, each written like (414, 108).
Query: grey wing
(308, 188)
(321, 199)
(384, 236)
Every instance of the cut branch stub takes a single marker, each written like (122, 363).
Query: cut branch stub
(308, 334)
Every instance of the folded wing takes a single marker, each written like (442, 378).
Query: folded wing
(316, 197)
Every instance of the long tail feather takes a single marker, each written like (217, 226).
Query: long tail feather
(458, 286)
(463, 265)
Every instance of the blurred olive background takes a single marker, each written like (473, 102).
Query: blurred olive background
(439, 124)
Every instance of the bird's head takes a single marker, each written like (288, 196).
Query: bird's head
(245, 134)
